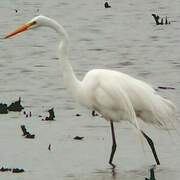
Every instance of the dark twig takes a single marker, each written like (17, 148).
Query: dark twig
(78, 137)
(26, 134)
(165, 87)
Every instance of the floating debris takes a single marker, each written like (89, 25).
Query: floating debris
(160, 21)
(78, 114)
(94, 113)
(27, 114)
(3, 108)
(5, 169)
(14, 170)
(165, 87)
(106, 5)
(51, 115)
(16, 106)
(78, 137)
(156, 18)
(16, 10)
(26, 134)
(49, 147)
(17, 170)
(166, 21)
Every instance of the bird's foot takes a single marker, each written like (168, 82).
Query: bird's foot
(113, 165)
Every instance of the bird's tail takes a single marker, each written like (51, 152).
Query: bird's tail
(162, 112)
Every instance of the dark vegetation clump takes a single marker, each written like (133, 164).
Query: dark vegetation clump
(51, 115)
(94, 113)
(5, 169)
(13, 170)
(17, 170)
(3, 108)
(14, 106)
(26, 134)
(106, 5)
(160, 21)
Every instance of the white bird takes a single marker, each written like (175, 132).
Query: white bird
(115, 95)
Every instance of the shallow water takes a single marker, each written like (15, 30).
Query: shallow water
(123, 38)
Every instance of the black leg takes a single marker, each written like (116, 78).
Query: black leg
(113, 145)
(151, 144)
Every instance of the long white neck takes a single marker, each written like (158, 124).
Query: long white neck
(71, 82)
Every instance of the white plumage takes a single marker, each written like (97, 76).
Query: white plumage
(118, 97)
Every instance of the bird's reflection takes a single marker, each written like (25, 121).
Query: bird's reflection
(118, 173)
(113, 170)
(152, 174)
(109, 173)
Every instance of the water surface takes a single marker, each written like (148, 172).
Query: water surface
(123, 38)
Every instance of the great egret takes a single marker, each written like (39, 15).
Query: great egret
(115, 95)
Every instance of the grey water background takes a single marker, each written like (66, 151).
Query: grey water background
(123, 38)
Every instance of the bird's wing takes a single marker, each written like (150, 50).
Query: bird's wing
(113, 102)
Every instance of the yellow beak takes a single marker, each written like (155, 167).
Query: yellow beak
(20, 29)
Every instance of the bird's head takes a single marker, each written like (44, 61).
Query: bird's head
(32, 24)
